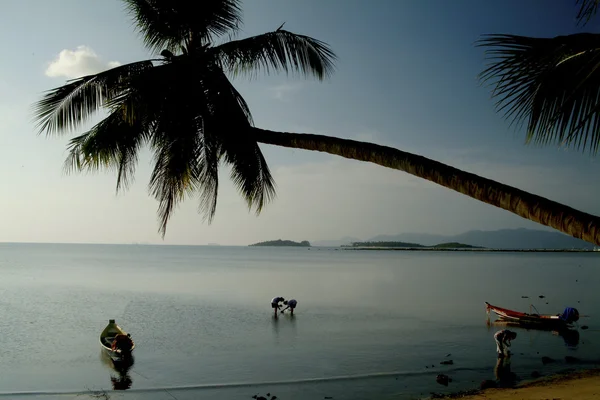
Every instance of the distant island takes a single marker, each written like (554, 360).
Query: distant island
(283, 243)
(397, 245)
(501, 239)
(448, 246)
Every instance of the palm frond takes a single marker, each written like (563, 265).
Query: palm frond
(113, 143)
(250, 173)
(208, 178)
(277, 51)
(587, 10)
(551, 84)
(231, 118)
(65, 108)
(177, 140)
(168, 24)
(176, 170)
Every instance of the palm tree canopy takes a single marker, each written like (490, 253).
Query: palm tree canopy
(551, 85)
(587, 10)
(171, 24)
(182, 105)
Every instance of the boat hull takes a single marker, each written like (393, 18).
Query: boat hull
(544, 321)
(106, 338)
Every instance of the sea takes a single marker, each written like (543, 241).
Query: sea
(369, 324)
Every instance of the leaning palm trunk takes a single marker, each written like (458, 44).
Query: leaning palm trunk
(530, 206)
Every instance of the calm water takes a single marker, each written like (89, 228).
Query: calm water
(367, 323)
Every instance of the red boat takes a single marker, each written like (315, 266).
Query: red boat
(557, 321)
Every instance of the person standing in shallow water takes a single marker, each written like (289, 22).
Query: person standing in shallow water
(503, 341)
(275, 304)
(291, 304)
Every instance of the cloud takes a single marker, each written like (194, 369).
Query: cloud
(284, 91)
(76, 63)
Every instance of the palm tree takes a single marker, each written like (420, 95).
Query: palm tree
(184, 107)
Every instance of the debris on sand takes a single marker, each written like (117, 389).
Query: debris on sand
(541, 296)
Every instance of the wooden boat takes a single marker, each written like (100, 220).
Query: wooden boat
(106, 338)
(558, 321)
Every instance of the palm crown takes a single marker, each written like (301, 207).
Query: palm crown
(182, 105)
(550, 85)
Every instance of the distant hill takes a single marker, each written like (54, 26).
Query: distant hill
(498, 239)
(450, 245)
(283, 243)
(386, 244)
(455, 245)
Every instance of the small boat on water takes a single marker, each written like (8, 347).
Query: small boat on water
(107, 337)
(558, 321)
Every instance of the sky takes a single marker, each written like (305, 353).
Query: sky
(406, 77)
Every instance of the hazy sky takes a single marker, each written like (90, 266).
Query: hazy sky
(406, 77)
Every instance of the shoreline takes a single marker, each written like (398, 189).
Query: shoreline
(581, 384)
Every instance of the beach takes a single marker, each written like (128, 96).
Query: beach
(581, 385)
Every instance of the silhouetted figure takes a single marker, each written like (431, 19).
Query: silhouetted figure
(503, 341)
(275, 304)
(122, 342)
(291, 304)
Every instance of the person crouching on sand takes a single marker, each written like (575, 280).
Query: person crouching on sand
(503, 339)
(275, 304)
(291, 304)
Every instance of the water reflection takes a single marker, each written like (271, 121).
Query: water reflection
(275, 325)
(121, 380)
(569, 336)
(504, 376)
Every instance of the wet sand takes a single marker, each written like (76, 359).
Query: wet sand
(583, 385)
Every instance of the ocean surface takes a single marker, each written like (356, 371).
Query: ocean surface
(369, 324)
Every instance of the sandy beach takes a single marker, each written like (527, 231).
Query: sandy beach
(584, 385)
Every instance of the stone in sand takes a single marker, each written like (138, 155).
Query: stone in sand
(487, 384)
